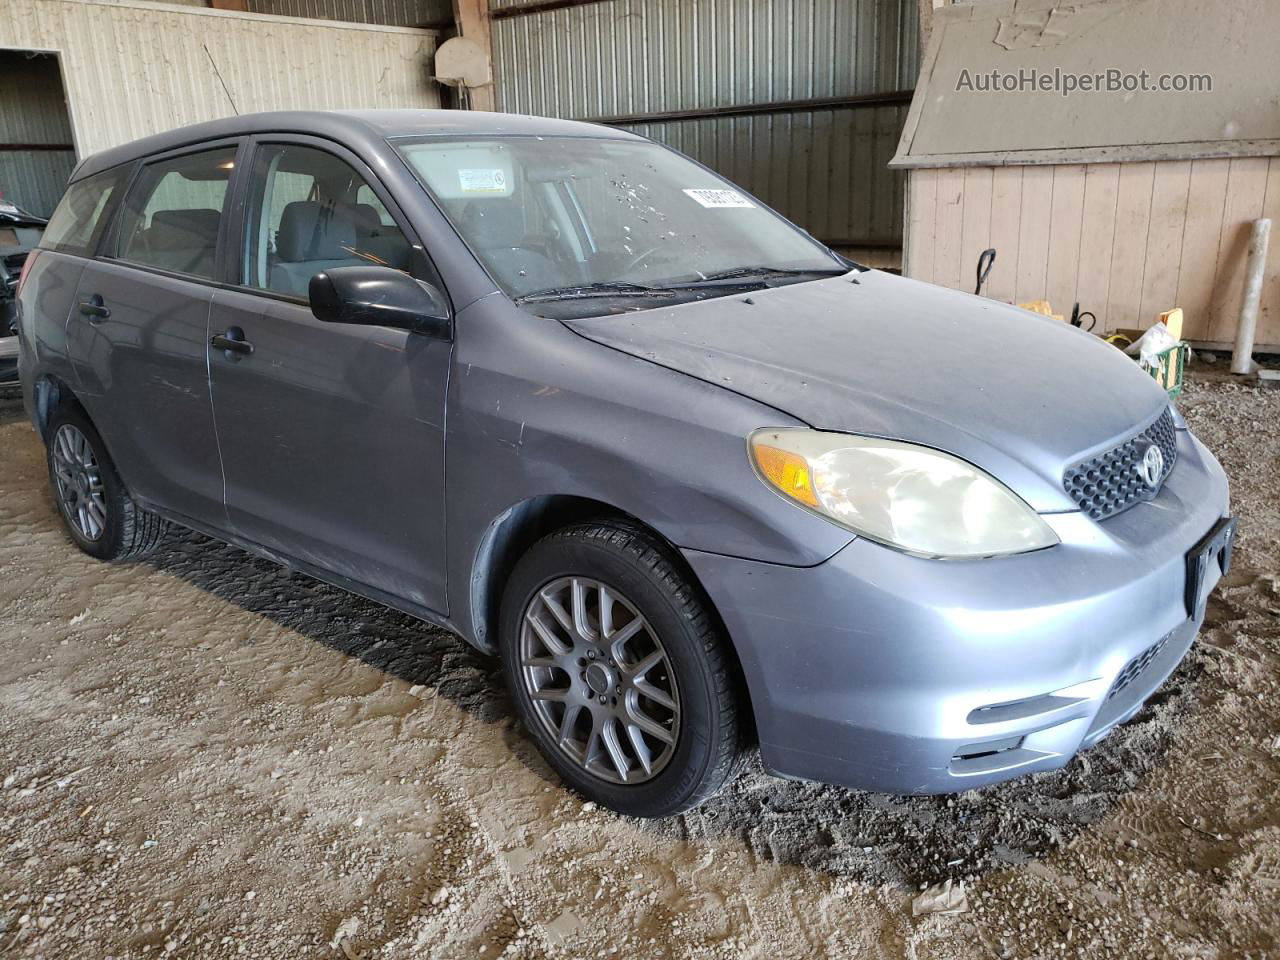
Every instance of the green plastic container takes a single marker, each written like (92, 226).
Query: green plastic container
(1170, 367)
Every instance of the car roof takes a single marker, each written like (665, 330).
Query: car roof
(352, 127)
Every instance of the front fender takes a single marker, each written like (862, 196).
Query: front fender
(537, 411)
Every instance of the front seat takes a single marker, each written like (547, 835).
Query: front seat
(495, 229)
(313, 236)
(381, 243)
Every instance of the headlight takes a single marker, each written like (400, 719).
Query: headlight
(914, 498)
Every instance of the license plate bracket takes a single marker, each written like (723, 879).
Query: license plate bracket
(1215, 545)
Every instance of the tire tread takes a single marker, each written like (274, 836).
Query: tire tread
(654, 556)
(140, 531)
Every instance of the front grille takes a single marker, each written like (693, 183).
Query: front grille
(1109, 483)
(1133, 669)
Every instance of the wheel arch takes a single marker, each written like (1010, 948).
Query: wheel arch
(506, 539)
(520, 526)
(50, 393)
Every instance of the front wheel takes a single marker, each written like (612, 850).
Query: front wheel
(100, 515)
(619, 671)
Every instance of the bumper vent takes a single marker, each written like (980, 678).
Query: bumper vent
(1133, 669)
(1111, 482)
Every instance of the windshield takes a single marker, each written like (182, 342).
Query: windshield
(625, 224)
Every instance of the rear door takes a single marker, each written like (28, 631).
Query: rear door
(332, 435)
(139, 332)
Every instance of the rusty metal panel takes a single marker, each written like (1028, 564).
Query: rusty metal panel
(636, 56)
(32, 107)
(34, 180)
(826, 169)
(133, 68)
(399, 13)
(33, 113)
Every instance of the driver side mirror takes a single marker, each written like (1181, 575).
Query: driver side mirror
(379, 296)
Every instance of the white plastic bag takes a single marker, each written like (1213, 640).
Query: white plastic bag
(1151, 344)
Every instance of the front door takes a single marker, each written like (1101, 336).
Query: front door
(138, 333)
(332, 435)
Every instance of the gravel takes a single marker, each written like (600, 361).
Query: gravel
(204, 755)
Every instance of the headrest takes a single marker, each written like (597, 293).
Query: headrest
(494, 223)
(187, 228)
(365, 217)
(310, 230)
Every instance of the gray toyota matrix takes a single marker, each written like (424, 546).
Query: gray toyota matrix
(698, 481)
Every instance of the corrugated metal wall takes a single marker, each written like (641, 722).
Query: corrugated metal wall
(33, 119)
(135, 68)
(824, 168)
(396, 13)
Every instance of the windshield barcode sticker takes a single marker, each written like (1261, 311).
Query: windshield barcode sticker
(482, 181)
(720, 198)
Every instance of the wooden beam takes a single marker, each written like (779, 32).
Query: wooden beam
(538, 6)
(25, 147)
(472, 18)
(240, 5)
(854, 102)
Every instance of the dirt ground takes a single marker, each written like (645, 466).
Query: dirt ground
(203, 755)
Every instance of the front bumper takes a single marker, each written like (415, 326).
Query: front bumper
(905, 675)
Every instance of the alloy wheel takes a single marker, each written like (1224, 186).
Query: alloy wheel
(600, 680)
(79, 478)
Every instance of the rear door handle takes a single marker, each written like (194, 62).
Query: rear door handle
(232, 344)
(94, 307)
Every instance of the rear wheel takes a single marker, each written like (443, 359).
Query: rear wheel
(100, 515)
(619, 671)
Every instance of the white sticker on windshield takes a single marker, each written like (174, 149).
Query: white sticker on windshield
(482, 181)
(720, 198)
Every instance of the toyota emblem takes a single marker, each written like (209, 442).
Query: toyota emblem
(1151, 467)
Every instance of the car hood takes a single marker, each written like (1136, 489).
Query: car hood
(1018, 394)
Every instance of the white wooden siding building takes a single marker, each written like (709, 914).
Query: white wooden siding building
(1129, 203)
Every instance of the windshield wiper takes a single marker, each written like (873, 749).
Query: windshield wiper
(580, 291)
(746, 276)
(761, 273)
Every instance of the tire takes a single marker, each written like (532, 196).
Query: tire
(684, 708)
(114, 527)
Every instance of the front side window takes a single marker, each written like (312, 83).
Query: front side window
(569, 217)
(173, 212)
(310, 211)
(79, 219)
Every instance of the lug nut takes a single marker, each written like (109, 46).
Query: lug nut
(591, 654)
(602, 699)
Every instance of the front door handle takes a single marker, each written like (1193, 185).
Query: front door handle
(232, 344)
(95, 308)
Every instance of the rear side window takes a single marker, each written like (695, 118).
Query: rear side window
(174, 210)
(80, 218)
